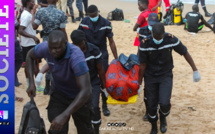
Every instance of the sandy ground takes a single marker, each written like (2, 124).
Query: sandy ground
(199, 96)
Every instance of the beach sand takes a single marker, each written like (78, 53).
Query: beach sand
(200, 119)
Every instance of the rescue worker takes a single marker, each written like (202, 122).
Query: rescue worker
(156, 64)
(97, 29)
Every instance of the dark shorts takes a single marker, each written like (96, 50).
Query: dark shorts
(82, 118)
(25, 52)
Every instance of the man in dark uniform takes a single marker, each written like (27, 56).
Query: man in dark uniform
(207, 14)
(97, 29)
(93, 58)
(71, 88)
(51, 19)
(192, 24)
(156, 66)
(144, 32)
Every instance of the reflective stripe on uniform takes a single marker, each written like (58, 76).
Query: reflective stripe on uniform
(96, 122)
(166, 46)
(93, 57)
(106, 27)
(164, 113)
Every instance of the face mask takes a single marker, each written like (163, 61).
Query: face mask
(94, 19)
(150, 28)
(157, 41)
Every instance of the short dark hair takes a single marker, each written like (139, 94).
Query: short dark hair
(195, 8)
(24, 2)
(92, 9)
(144, 2)
(158, 28)
(57, 34)
(77, 36)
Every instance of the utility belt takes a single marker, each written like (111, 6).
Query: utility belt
(42, 33)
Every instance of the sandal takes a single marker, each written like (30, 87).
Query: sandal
(19, 99)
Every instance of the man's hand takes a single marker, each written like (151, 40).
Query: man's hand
(59, 121)
(34, 10)
(38, 79)
(196, 76)
(36, 40)
(154, 8)
(31, 90)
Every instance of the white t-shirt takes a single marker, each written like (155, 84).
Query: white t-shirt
(26, 21)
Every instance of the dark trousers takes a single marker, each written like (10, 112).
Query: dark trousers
(85, 2)
(202, 2)
(158, 90)
(200, 26)
(18, 64)
(82, 117)
(105, 65)
(95, 101)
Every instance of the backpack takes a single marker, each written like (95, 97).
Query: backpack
(116, 14)
(170, 16)
(31, 122)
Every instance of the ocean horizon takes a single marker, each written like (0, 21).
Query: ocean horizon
(210, 2)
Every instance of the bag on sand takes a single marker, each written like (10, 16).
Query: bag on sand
(31, 122)
(116, 14)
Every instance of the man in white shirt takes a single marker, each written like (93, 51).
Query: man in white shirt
(28, 34)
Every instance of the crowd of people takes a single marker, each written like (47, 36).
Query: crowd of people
(75, 71)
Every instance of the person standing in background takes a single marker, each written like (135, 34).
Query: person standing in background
(154, 4)
(62, 5)
(85, 2)
(207, 14)
(167, 4)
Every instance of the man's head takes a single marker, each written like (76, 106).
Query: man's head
(195, 8)
(57, 44)
(152, 19)
(143, 4)
(93, 13)
(79, 39)
(28, 3)
(158, 32)
(52, 2)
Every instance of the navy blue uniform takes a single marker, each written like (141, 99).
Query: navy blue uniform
(158, 74)
(97, 34)
(93, 57)
(143, 33)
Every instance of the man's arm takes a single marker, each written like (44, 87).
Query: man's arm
(30, 72)
(25, 34)
(136, 26)
(206, 23)
(43, 5)
(85, 93)
(101, 73)
(34, 25)
(159, 3)
(190, 61)
(113, 47)
(142, 72)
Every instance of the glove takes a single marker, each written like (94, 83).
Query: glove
(139, 90)
(38, 79)
(196, 76)
(105, 91)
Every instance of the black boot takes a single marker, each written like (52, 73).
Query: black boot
(207, 14)
(105, 110)
(47, 88)
(96, 129)
(73, 19)
(81, 16)
(163, 124)
(154, 129)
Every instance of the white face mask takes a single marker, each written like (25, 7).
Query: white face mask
(150, 28)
